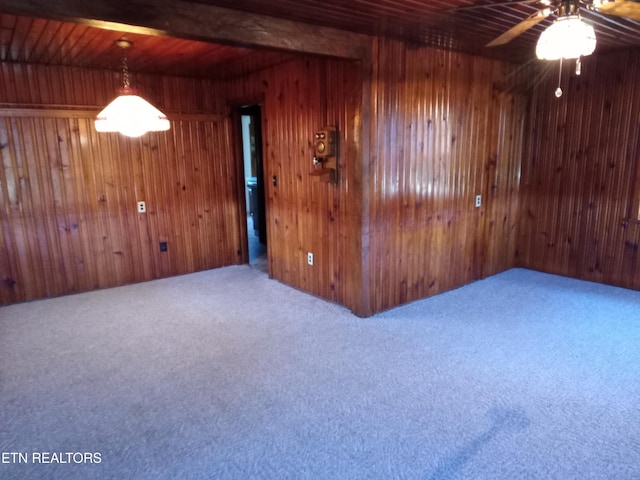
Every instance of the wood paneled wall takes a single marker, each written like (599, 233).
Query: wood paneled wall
(303, 214)
(444, 129)
(401, 223)
(578, 173)
(421, 133)
(68, 194)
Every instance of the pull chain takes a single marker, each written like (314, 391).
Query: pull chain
(559, 90)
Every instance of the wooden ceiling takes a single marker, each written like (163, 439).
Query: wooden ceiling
(51, 42)
(56, 39)
(443, 23)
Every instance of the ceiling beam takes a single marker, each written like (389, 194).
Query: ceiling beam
(196, 21)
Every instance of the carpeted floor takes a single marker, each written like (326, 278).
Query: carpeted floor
(226, 374)
(258, 257)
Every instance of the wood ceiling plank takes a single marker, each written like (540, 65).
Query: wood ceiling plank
(20, 32)
(43, 43)
(97, 51)
(253, 22)
(199, 22)
(61, 43)
(34, 44)
(82, 48)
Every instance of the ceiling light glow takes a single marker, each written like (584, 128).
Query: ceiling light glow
(567, 37)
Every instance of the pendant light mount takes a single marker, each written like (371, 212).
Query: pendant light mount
(123, 43)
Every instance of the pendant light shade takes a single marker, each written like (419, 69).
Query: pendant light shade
(131, 115)
(567, 37)
(128, 113)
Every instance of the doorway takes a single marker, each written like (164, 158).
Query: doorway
(251, 121)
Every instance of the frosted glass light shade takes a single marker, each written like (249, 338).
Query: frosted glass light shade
(567, 37)
(131, 115)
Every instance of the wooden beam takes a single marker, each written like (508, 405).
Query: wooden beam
(195, 21)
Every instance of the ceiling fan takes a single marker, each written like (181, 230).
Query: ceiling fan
(568, 37)
(563, 9)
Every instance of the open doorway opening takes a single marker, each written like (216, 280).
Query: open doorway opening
(254, 186)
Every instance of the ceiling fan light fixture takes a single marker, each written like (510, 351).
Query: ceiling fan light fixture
(567, 37)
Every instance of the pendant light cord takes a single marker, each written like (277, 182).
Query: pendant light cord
(125, 70)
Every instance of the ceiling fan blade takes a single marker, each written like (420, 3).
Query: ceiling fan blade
(621, 8)
(522, 27)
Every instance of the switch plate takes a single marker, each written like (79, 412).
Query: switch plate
(478, 200)
(310, 258)
(142, 207)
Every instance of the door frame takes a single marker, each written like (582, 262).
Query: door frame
(236, 107)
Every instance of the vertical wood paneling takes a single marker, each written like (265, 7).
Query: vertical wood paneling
(442, 134)
(578, 173)
(399, 225)
(502, 185)
(68, 194)
(303, 214)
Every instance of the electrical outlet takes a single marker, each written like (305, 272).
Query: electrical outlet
(310, 258)
(142, 207)
(478, 200)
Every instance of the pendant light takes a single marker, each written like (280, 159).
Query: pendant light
(128, 113)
